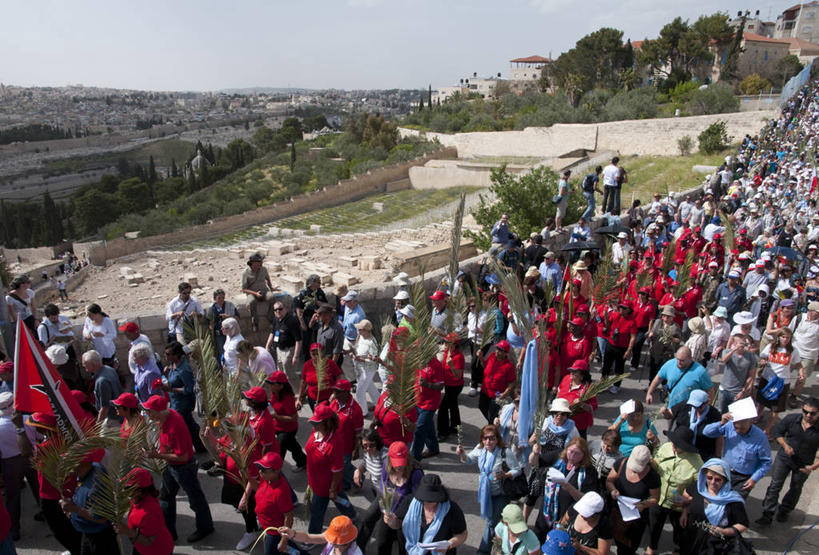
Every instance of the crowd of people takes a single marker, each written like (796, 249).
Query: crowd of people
(713, 297)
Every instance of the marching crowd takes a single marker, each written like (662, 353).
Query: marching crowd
(715, 297)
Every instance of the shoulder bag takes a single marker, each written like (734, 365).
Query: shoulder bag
(516, 487)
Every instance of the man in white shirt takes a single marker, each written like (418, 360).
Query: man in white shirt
(806, 341)
(610, 175)
(181, 306)
(620, 249)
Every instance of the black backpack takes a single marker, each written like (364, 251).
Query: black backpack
(588, 183)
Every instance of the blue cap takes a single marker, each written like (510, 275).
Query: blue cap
(697, 397)
(715, 220)
(492, 279)
(558, 542)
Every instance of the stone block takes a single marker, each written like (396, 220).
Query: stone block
(278, 249)
(340, 278)
(271, 267)
(192, 279)
(347, 261)
(134, 279)
(125, 270)
(190, 260)
(369, 262)
(378, 206)
(291, 284)
(315, 228)
(152, 323)
(367, 294)
(294, 265)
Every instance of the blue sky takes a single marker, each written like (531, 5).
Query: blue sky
(347, 44)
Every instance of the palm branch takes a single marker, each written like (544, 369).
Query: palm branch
(144, 437)
(684, 275)
(455, 246)
(519, 306)
(645, 278)
(543, 354)
(419, 301)
(321, 373)
(308, 501)
(605, 280)
(211, 377)
(488, 327)
(596, 388)
(728, 234)
(668, 257)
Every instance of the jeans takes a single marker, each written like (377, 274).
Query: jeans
(271, 546)
(725, 398)
(318, 506)
(498, 503)
(347, 476)
(184, 476)
(425, 435)
(589, 213)
(783, 466)
(449, 415)
(601, 346)
(289, 442)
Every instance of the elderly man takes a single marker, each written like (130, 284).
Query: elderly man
(442, 320)
(107, 386)
(257, 286)
(146, 371)
(731, 294)
(285, 340)
(131, 331)
(550, 272)
(176, 449)
(696, 413)
(745, 449)
(620, 249)
(181, 306)
(329, 333)
(806, 341)
(682, 375)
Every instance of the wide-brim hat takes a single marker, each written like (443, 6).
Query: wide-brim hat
(682, 438)
(669, 310)
(558, 542)
(431, 490)
(341, 531)
(560, 405)
(744, 317)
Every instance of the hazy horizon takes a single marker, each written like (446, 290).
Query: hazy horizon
(188, 46)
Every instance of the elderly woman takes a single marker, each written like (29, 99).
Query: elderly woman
(365, 353)
(20, 300)
(712, 502)
(101, 331)
(558, 430)
(697, 342)
(339, 538)
(146, 371)
(257, 360)
(633, 478)
(589, 526)
(233, 333)
(495, 463)
(430, 516)
(635, 429)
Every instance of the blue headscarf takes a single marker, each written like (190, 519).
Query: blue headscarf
(715, 509)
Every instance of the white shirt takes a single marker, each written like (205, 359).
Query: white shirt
(610, 174)
(177, 305)
(806, 338)
(475, 321)
(619, 252)
(103, 345)
(231, 358)
(48, 330)
(264, 362)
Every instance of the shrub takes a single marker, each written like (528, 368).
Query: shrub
(685, 144)
(714, 138)
(754, 84)
(636, 104)
(713, 99)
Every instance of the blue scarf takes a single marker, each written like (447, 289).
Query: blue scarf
(505, 418)
(486, 467)
(412, 526)
(715, 509)
(528, 394)
(695, 421)
(551, 494)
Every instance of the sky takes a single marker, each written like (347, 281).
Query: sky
(344, 44)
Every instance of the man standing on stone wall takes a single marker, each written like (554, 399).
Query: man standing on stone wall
(305, 304)
(257, 286)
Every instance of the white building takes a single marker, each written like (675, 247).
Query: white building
(528, 68)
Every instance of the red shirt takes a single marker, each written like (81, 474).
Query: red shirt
(350, 423)
(690, 300)
(624, 326)
(47, 490)
(583, 420)
(175, 438)
(264, 429)
(573, 349)
(428, 398)
(146, 515)
(308, 374)
(643, 314)
(273, 501)
(233, 473)
(454, 368)
(389, 423)
(497, 376)
(324, 458)
(285, 406)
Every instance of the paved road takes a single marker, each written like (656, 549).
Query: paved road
(462, 482)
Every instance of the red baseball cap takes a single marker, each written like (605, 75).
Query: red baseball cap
(582, 309)
(343, 385)
(277, 377)
(156, 402)
(503, 345)
(438, 296)
(156, 384)
(43, 420)
(580, 365)
(322, 413)
(127, 400)
(398, 453)
(452, 337)
(255, 394)
(578, 322)
(271, 460)
(140, 478)
(645, 290)
(315, 346)
(79, 396)
(129, 327)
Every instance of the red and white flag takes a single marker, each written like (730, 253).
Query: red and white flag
(38, 387)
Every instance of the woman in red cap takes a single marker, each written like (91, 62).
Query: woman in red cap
(127, 407)
(309, 386)
(572, 388)
(400, 475)
(271, 502)
(449, 415)
(57, 521)
(498, 380)
(325, 466)
(574, 347)
(391, 425)
(285, 417)
(644, 314)
(145, 526)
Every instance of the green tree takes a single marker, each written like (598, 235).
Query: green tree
(715, 99)
(134, 196)
(372, 131)
(730, 69)
(714, 138)
(787, 67)
(236, 154)
(291, 130)
(52, 222)
(754, 84)
(292, 156)
(93, 209)
(507, 192)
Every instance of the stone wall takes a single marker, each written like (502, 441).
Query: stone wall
(442, 174)
(644, 137)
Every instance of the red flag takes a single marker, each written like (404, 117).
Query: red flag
(38, 387)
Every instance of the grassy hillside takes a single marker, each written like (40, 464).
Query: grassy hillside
(650, 174)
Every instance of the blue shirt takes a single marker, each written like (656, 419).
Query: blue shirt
(85, 489)
(748, 454)
(182, 377)
(731, 300)
(552, 272)
(683, 384)
(351, 318)
(500, 233)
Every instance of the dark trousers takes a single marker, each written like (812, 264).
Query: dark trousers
(60, 525)
(366, 522)
(425, 435)
(289, 442)
(654, 366)
(783, 466)
(103, 543)
(193, 428)
(231, 495)
(385, 537)
(184, 476)
(15, 471)
(737, 481)
(656, 521)
(271, 546)
(449, 415)
(614, 358)
(637, 351)
(477, 366)
(611, 200)
(488, 407)
(318, 508)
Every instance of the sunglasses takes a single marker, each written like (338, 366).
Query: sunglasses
(715, 478)
(810, 412)
(559, 413)
(278, 309)
(490, 438)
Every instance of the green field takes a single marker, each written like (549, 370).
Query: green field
(650, 174)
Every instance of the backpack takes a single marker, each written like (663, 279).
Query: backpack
(588, 183)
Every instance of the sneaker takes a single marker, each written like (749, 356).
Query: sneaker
(215, 471)
(472, 392)
(199, 534)
(764, 520)
(207, 465)
(614, 390)
(246, 540)
(781, 517)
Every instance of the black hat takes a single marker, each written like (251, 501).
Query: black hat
(682, 438)
(431, 490)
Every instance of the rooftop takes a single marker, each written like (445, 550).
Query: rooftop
(531, 60)
(759, 38)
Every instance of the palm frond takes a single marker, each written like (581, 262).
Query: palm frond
(144, 437)
(668, 257)
(684, 275)
(606, 279)
(308, 501)
(112, 497)
(321, 373)
(728, 234)
(596, 388)
(211, 377)
(419, 301)
(519, 306)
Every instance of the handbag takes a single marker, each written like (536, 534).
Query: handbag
(513, 488)
(773, 389)
(735, 545)
(556, 199)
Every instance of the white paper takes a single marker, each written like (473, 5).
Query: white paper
(443, 544)
(743, 409)
(555, 475)
(628, 509)
(628, 407)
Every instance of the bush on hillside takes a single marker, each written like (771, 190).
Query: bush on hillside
(714, 138)
(754, 84)
(685, 144)
(713, 99)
